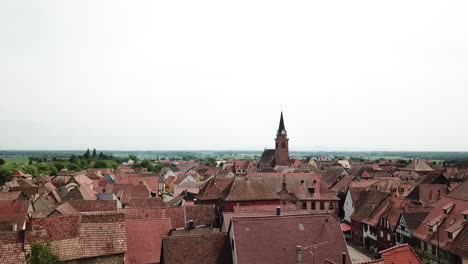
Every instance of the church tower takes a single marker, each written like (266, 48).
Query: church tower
(282, 145)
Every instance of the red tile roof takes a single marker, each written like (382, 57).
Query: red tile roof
(146, 202)
(274, 239)
(402, 254)
(203, 248)
(454, 217)
(175, 214)
(200, 214)
(62, 232)
(13, 212)
(144, 239)
(102, 235)
(214, 188)
(227, 216)
(248, 189)
(9, 196)
(298, 183)
(94, 205)
(150, 182)
(21, 174)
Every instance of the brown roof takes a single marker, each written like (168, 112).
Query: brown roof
(274, 239)
(147, 202)
(144, 239)
(65, 209)
(214, 188)
(102, 235)
(299, 184)
(9, 196)
(453, 217)
(342, 184)
(461, 244)
(197, 249)
(227, 216)
(94, 205)
(418, 165)
(175, 214)
(333, 175)
(248, 189)
(200, 214)
(368, 204)
(13, 212)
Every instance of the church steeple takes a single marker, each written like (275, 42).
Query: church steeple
(282, 146)
(281, 128)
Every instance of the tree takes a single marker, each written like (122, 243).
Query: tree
(5, 175)
(210, 162)
(41, 254)
(2, 162)
(101, 156)
(133, 157)
(30, 162)
(87, 154)
(94, 152)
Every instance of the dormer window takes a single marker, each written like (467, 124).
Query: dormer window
(447, 208)
(311, 190)
(450, 236)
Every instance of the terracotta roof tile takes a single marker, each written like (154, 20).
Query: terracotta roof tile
(209, 249)
(175, 214)
(299, 184)
(402, 254)
(248, 189)
(274, 239)
(214, 188)
(144, 239)
(146, 202)
(200, 214)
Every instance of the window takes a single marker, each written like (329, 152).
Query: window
(322, 205)
(313, 206)
(304, 205)
(311, 190)
(330, 206)
(389, 238)
(450, 236)
(381, 233)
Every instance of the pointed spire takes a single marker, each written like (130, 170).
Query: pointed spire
(281, 128)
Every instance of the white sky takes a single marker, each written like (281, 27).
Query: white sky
(160, 75)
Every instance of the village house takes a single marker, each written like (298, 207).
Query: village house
(440, 231)
(246, 191)
(362, 233)
(280, 238)
(307, 190)
(401, 254)
(407, 224)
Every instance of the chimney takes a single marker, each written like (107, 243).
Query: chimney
(343, 258)
(298, 255)
(190, 225)
(278, 210)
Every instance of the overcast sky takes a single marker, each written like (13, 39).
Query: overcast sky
(175, 75)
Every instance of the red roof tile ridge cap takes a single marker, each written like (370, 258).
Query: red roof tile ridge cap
(394, 247)
(371, 261)
(250, 217)
(192, 235)
(148, 219)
